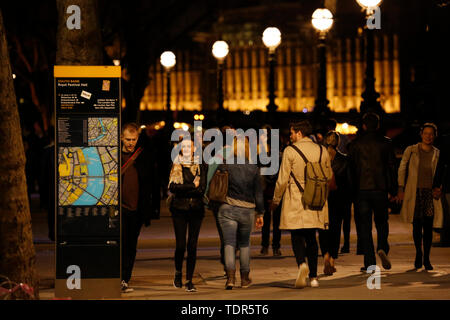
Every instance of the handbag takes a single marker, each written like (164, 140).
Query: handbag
(218, 188)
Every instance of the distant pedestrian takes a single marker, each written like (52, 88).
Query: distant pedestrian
(187, 183)
(269, 182)
(421, 206)
(302, 221)
(237, 216)
(374, 177)
(339, 203)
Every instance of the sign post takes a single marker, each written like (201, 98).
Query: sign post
(87, 151)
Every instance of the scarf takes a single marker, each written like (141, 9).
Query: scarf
(176, 173)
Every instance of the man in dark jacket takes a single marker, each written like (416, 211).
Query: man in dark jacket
(140, 195)
(372, 160)
(441, 186)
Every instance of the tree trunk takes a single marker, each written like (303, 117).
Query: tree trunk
(17, 254)
(79, 46)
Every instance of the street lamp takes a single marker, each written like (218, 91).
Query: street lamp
(272, 39)
(168, 61)
(370, 102)
(220, 51)
(322, 20)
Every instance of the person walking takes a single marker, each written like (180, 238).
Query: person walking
(295, 216)
(339, 203)
(269, 182)
(140, 195)
(237, 215)
(421, 206)
(372, 161)
(187, 183)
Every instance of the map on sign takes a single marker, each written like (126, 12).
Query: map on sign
(102, 131)
(88, 176)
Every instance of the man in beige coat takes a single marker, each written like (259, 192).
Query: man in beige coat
(302, 222)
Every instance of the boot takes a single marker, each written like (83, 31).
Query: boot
(230, 279)
(245, 279)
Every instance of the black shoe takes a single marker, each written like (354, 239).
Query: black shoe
(427, 265)
(345, 249)
(177, 283)
(190, 287)
(418, 261)
(264, 251)
(384, 260)
(276, 252)
(363, 269)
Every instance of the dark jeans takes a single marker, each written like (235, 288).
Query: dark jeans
(219, 230)
(276, 232)
(131, 227)
(375, 202)
(304, 244)
(186, 222)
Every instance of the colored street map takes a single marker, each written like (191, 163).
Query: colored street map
(88, 176)
(102, 132)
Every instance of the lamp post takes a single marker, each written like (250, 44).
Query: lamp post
(168, 61)
(370, 102)
(322, 20)
(220, 51)
(271, 39)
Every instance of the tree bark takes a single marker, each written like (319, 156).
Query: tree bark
(83, 46)
(17, 253)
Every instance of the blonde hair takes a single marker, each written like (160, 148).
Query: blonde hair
(237, 152)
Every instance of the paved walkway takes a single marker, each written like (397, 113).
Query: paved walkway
(273, 277)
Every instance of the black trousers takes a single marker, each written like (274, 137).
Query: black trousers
(276, 232)
(186, 223)
(131, 227)
(423, 230)
(304, 244)
(338, 209)
(373, 203)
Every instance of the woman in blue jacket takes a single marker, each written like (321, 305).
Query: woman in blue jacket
(237, 215)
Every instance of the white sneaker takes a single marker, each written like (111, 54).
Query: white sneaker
(314, 283)
(125, 288)
(303, 272)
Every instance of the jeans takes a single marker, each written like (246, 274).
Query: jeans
(375, 202)
(131, 227)
(219, 230)
(276, 232)
(186, 222)
(236, 223)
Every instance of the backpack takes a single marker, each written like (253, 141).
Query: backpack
(315, 193)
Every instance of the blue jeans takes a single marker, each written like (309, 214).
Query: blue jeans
(236, 222)
(373, 204)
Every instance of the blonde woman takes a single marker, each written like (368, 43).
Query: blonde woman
(187, 183)
(420, 206)
(237, 215)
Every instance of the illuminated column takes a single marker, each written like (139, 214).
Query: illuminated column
(298, 80)
(340, 77)
(246, 76)
(349, 76)
(290, 73)
(396, 75)
(379, 85)
(387, 75)
(254, 76)
(359, 68)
